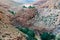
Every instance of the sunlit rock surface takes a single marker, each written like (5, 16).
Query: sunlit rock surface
(7, 31)
(43, 18)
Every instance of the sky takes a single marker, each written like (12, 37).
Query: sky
(25, 1)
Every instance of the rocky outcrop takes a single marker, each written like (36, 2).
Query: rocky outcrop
(7, 31)
(23, 16)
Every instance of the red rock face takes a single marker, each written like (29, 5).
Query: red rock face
(24, 16)
(1, 16)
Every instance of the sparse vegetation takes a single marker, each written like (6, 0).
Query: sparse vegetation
(24, 7)
(31, 7)
(30, 33)
(47, 36)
